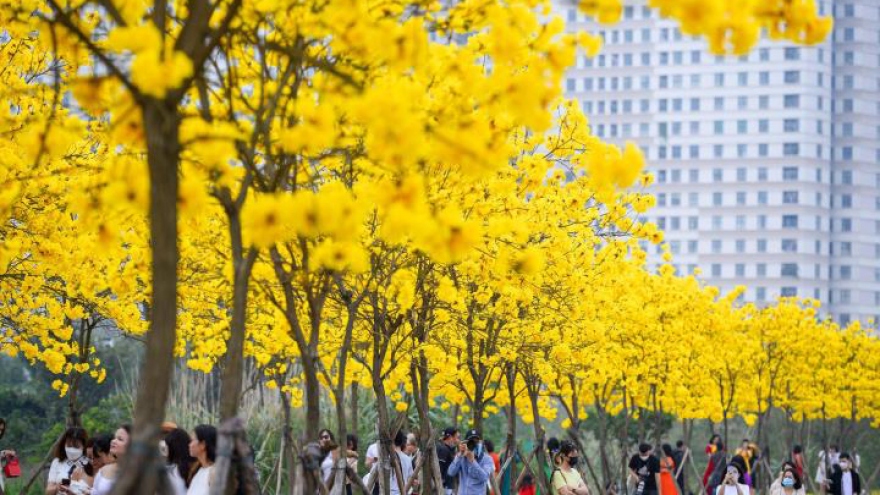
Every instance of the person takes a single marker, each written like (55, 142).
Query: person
(566, 480)
(712, 450)
(787, 483)
(351, 444)
(553, 445)
(106, 477)
(406, 466)
(797, 457)
(178, 461)
(526, 486)
(845, 479)
(717, 468)
(412, 446)
(98, 452)
(328, 445)
(667, 471)
(824, 467)
(471, 465)
(749, 454)
(69, 456)
(644, 470)
(446, 454)
(203, 448)
(732, 484)
(679, 456)
(496, 459)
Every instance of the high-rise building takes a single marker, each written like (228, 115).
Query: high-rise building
(767, 165)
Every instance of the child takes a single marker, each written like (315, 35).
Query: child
(527, 486)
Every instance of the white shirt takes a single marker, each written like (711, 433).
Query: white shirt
(201, 482)
(60, 470)
(846, 487)
(327, 468)
(373, 450)
(731, 490)
(102, 486)
(406, 468)
(178, 485)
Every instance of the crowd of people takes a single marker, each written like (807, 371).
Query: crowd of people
(84, 465)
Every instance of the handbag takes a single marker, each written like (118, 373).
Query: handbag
(12, 469)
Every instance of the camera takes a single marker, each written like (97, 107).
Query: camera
(472, 444)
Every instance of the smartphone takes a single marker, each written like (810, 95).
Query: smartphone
(65, 481)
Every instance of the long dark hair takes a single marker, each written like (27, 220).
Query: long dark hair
(208, 435)
(177, 441)
(794, 474)
(71, 435)
(667, 450)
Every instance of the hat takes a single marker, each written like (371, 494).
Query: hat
(473, 434)
(449, 431)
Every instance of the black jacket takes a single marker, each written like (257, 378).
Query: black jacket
(445, 456)
(837, 481)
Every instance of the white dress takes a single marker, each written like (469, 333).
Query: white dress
(102, 486)
(60, 470)
(201, 482)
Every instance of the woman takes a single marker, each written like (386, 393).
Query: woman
(797, 457)
(68, 456)
(712, 450)
(667, 472)
(328, 445)
(566, 479)
(351, 442)
(731, 484)
(203, 447)
(787, 483)
(106, 477)
(98, 452)
(178, 460)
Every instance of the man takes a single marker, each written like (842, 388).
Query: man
(472, 465)
(845, 480)
(405, 461)
(446, 450)
(679, 455)
(644, 469)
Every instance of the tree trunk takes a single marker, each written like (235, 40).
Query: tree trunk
(141, 465)
(233, 369)
(603, 442)
(431, 480)
(355, 423)
(540, 451)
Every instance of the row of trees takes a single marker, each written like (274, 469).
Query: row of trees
(390, 195)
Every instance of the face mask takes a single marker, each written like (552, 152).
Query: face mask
(572, 461)
(787, 482)
(479, 450)
(73, 453)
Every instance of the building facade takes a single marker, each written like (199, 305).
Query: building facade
(767, 166)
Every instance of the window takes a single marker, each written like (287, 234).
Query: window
(692, 247)
(693, 199)
(846, 249)
(740, 199)
(740, 246)
(719, 79)
(789, 245)
(693, 223)
(719, 103)
(716, 246)
(742, 78)
(845, 272)
(791, 149)
(717, 222)
(716, 270)
(740, 270)
(694, 175)
(760, 294)
(718, 174)
(764, 78)
(792, 53)
(846, 177)
(788, 291)
(717, 199)
(846, 201)
(742, 126)
(789, 270)
(694, 151)
(764, 54)
(763, 149)
(790, 197)
(762, 221)
(762, 173)
(762, 198)
(790, 173)
(846, 224)
(792, 77)
(763, 125)
(761, 270)
(741, 222)
(791, 125)
(846, 153)
(676, 175)
(741, 174)
(695, 104)
(719, 127)
(791, 101)
(789, 221)
(764, 102)
(718, 151)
